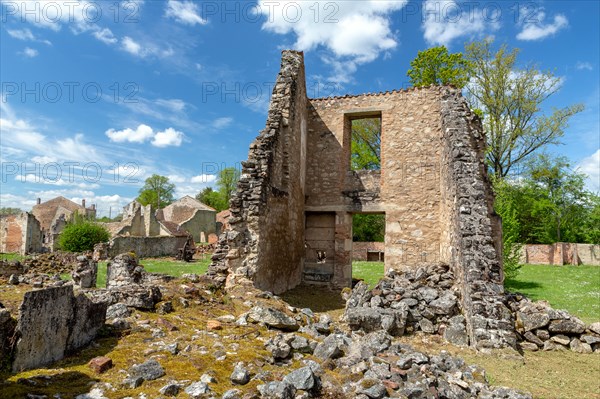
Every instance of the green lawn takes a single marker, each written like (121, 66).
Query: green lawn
(371, 272)
(572, 288)
(158, 265)
(11, 256)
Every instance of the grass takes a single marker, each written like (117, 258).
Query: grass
(167, 266)
(11, 256)
(370, 272)
(575, 289)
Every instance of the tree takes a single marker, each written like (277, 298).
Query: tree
(157, 191)
(505, 206)
(366, 144)
(81, 235)
(227, 183)
(560, 201)
(510, 100)
(368, 227)
(435, 66)
(4, 211)
(212, 198)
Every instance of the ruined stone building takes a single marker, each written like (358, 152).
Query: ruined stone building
(191, 215)
(291, 218)
(20, 234)
(38, 230)
(54, 214)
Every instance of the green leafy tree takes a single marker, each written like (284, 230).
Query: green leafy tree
(227, 183)
(435, 66)
(81, 235)
(366, 144)
(157, 191)
(560, 201)
(510, 100)
(511, 247)
(368, 228)
(4, 211)
(212, 198)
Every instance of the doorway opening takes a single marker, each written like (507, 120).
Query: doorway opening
(368, 247)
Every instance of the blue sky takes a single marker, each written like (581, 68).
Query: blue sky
(98, 95)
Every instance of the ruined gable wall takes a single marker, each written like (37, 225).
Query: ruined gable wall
(266, 240)
(20, 234)
(474, 236)
(409, 189)
(200, 222)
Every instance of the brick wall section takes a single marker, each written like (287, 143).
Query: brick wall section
(20, 234)
(474, 228)
(360, 249)
(266, 242)
(561, 253)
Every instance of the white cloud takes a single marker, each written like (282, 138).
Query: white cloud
(203, 179)
(185, 12)
(591, 167)
(131, 46)
(446, 20)
(221, 123)
(22, 135)
(26, 35)
(354, 31)
(584, 65)
(533, 28)
(106, 36)
(30, 52)
(21, 34)
(139, 135)
(176, 179)
(174, 105)
(169, 137)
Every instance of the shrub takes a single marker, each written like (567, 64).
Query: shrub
(82, 236)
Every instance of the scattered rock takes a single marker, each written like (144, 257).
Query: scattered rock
(302, 379)
(197, 389)
(148, 371)
(118, 310)
(213, 325)
(272, 318)
(277, 390)
(171, 389)
(100, 364)
(240, 375)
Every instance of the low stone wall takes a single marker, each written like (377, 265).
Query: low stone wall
(361, 250)
(145, 247)
(561, 253)
(428, 300)
(52, 323)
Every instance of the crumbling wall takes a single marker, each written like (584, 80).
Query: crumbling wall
(20, 234)
(53, 322)
(200, 224)
(266, 240)
(474, 234)
(145, 247)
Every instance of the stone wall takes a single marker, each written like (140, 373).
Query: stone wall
(474, 233)
(20, 234)
(561, 253)
(291, 217)
(145, 247)
(52, 323)
(266, 240)
(361, 250)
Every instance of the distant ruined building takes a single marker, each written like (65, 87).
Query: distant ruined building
(38, 230)
(291, 217)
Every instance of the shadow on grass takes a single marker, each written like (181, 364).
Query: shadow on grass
(68, 385)
(516, 285)
(319, 299)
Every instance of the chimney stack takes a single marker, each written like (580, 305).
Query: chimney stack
(83, 202)
(94, 206)
(39, 201)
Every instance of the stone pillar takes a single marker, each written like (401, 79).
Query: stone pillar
(85, 272)
(342, 276)
(123, 270)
